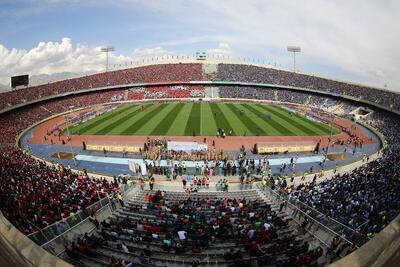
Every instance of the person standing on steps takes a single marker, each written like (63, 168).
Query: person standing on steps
(151, 183)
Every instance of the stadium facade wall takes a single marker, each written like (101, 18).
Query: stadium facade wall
(382, 250)
(18, 250)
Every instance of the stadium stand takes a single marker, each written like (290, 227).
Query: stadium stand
(153, 73)
(15, 122)
(369, 196)
(249, 73)
(193, 72)
(22, 177)
(247, 92)
(367, 199)
(282, 95)
(155, 92)
(34, 195)
(226, 229)
(136, 93)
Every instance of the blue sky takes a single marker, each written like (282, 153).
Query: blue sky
(350, 40)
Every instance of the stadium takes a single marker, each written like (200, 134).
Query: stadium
(189, 163)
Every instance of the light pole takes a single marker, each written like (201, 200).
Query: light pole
(330, 138)
(69, 139)
(294, 49)
(107, 49)
(333, 114)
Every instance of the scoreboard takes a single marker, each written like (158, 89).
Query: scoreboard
(19, 80)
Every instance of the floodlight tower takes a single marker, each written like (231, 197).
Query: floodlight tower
(107, 49)
(69, 137)
(294, 49)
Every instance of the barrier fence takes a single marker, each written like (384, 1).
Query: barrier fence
(319, 225)
(55, 230)
(351, 234)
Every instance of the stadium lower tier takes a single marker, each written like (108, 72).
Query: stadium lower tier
(166, 228)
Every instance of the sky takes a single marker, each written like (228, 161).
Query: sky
(353, 40)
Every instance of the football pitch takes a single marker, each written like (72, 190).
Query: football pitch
(201, 119)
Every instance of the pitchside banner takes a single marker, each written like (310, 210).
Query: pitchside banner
(143, 168)
(273, 147)
(114, 148)
(185, 146)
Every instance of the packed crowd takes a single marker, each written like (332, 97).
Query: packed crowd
(149, 74)
(247, 73)
(88, 114)
(281, 95)
(156, 149)
(193, 72)
(246, 227)
(42, 194)
(368, 198)
(157, 92)
(34, 195)
(135, 93)
(13, 123)
(247, 92)
(388, 125)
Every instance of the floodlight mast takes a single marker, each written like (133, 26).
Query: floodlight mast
(107, 49)
(294, 49)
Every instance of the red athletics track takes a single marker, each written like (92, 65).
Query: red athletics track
(227, 143)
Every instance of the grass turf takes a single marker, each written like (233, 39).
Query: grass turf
(201, 119)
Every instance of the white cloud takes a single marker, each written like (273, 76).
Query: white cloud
(57, 57)
(49, 58)
(357, 38)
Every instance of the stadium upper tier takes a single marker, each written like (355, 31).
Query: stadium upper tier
(147, 74)
(194, 72)
(248, 73)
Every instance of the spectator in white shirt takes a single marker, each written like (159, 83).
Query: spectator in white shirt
(125, 248)
(182, 235)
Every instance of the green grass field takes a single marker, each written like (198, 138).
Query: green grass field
(202, 119)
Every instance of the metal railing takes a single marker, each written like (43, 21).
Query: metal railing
(57, 245)
(52, 231)
(319, 225)
(58, 228)
(352, 234)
